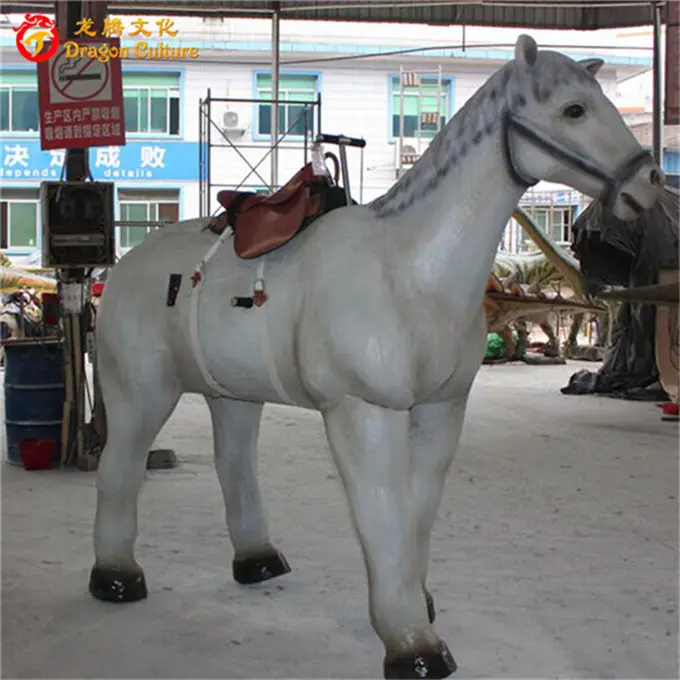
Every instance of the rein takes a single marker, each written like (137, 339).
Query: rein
(613, 181)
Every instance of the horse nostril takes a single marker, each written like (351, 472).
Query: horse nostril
(632, 203)
(657, 178)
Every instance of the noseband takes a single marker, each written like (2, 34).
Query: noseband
(613, 181)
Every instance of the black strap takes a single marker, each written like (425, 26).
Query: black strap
(517, 175)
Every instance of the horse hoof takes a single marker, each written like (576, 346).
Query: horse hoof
(260, 568)
(116, 585)
(431, 664)
(431, 611)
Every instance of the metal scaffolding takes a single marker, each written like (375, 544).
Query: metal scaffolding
(217, 135)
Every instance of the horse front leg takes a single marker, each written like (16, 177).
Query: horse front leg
(370, 445)
(435, 432)
(236, 426)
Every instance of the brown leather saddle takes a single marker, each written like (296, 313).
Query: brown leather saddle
(263, 223)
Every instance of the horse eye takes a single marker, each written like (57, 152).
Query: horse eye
(574, 111)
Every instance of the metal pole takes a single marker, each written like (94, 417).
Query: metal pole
(201, 169)
(306, 131)
(401, 121)
(76, 169)
(276, 45)
(208, 158)
(657, 110)
(318, 115)
(76, 162)
(671, 102)
(361, 178)
(439, 97)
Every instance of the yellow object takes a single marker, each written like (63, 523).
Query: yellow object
(14, 278)
(567, 265)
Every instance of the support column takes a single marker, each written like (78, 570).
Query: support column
(76, 169)
(672, 98)
(77, 160)
(276, 49)
(657, 108)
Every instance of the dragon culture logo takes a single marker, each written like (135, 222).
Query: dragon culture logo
(32, 36)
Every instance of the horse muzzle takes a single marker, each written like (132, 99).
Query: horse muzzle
(636, 187)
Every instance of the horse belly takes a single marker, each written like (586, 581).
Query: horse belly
(251, 353)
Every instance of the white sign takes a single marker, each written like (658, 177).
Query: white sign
(79, 79)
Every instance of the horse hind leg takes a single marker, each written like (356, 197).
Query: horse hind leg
(135, 414)
(236, 426)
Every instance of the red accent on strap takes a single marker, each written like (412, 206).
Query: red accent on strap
(259, 298)
(96, 289)
(669, 408)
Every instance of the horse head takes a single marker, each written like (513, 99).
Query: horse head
(561, 127)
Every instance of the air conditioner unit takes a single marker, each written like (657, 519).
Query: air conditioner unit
(232, 124)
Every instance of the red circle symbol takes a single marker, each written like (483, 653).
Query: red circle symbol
(43, 33)
(83, 66)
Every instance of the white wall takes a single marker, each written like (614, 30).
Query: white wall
(355, 94)
(355, 102)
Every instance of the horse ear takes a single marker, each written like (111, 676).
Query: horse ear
(592, 65)
(526, 51)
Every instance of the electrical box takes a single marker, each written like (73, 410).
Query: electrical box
(77, 224)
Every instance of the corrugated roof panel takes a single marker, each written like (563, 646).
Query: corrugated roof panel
(569, 14)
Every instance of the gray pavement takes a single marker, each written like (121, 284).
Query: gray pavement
(555, 553)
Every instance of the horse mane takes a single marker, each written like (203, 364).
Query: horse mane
(506, 90)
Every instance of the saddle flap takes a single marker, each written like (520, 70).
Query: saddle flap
(303, 178)
(265, 227)
(226, 197)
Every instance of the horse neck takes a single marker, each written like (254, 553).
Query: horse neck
(451, 234)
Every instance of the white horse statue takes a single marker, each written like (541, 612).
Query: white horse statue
(372, 315)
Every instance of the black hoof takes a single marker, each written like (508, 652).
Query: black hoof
(260, 568)
(115, 585)
(431, 664)
(431, 611)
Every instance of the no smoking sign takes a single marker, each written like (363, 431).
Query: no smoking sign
(79, 79)
(81, 97)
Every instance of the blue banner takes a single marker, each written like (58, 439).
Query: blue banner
(671, 162)
(137, 161)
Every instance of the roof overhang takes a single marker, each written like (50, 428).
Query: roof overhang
(536, 14)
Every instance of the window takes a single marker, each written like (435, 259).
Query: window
(294, 119)
(671, 167)
(151, 103)
(144, 206)
(18, 219)
(420, 106)
(554, 221)
(18, 102)
(673, 180)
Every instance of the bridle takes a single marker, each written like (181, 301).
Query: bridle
(613, 181)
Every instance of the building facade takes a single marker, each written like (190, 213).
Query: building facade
(157, 173)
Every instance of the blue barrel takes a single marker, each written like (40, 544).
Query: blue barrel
(34, 394)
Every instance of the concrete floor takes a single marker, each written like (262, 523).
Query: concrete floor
(555, 552)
